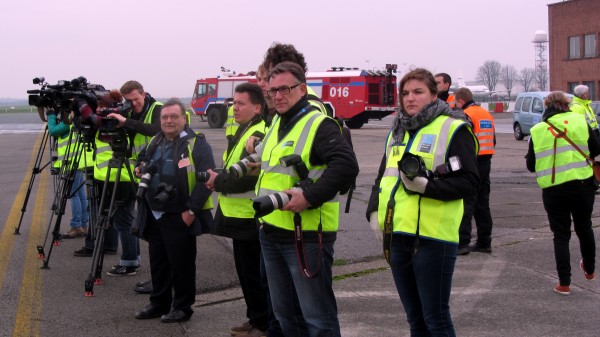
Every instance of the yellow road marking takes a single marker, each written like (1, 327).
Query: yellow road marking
(8, 238)
(30, 294)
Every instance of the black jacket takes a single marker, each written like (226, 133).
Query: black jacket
(456, 186)
(135, 123)
(329, 148)
(180, 199)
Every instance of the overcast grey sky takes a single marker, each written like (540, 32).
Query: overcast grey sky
(167, 45)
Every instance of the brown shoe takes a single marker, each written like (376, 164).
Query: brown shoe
(243, 328)
(74, 233)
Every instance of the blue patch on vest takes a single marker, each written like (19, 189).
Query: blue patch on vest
(288, 143)
(485, 124)
(426, 144)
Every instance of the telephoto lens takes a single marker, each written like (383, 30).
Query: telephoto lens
(268, 203)
(144, 182)
(241, 168)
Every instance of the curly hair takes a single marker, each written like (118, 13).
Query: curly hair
(112, 97)
(279, 52)
(558, 100)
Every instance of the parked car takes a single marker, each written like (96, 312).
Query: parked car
(596, 107)
(528, 111)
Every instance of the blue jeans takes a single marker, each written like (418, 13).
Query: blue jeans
(79, 202)
(424, 282)
(130, 245)
(317, 301)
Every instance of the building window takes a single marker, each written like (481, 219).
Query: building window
(591, 85)
(571, 87)
(574, 47)
(589, 45)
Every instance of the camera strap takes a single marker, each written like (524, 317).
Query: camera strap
(300, 246)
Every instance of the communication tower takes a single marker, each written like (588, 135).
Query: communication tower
(540, 41)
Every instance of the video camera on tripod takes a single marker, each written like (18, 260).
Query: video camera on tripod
(62, 96)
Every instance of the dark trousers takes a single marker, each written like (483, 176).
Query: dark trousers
(172, 250)
(478, 206)
(246, 254)
(571, 200)
(424, 281)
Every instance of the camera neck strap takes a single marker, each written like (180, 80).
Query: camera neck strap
(299, 239)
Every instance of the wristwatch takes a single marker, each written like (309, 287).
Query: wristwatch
(190, 212)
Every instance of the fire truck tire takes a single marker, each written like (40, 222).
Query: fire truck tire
(215, 117)
(355, 122)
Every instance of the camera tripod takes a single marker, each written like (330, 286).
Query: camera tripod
(63, 191)
(34, 172)
(105, 217)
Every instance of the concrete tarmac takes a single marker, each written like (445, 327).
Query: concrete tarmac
(507, 292)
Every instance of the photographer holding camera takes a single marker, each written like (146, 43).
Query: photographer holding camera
(312, 212)
(234, 217)
(132, 133)
(179, 210)
(428, 168)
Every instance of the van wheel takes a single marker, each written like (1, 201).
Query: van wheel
(215, 117)
(518, 132)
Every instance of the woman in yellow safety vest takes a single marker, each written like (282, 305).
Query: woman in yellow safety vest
(428, 168)
(566, 178)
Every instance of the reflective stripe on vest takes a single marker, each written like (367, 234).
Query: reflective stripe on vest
(437, 219)
(231, 125)
(568, 163)
(274, 178)
(103, 156)
(239, 205)
(140, 141)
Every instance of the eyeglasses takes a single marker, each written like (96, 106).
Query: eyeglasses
(172, 117)
(283, 90)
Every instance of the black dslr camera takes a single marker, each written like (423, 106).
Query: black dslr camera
(268, 203)
(413, 166)
(163, 193)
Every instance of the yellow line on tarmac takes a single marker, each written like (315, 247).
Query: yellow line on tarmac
(30, 294)
(8, 238)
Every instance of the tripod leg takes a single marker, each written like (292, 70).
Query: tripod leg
(34, 172)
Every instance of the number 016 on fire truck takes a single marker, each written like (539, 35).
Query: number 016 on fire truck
(356, 96)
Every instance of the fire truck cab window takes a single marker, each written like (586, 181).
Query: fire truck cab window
(212, 89)
(201, 91)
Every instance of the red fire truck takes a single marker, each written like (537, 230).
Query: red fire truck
(354, 95)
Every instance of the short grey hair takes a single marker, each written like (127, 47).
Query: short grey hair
(580, 90)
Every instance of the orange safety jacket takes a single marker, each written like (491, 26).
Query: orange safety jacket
(483, 128)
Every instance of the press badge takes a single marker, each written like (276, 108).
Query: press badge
(426, 143)
(485, 124)
(183, 162)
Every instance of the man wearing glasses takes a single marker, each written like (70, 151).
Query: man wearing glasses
(297, 240)
(179, 210)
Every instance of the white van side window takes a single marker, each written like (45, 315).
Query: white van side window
(526, 105)
(537, 105)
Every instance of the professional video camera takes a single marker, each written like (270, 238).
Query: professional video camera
(62, 96)
(413, 166)
(268, 203)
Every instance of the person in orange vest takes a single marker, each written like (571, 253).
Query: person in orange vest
(444, 81)
(478, 205)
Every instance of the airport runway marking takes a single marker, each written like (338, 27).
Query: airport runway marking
(29, 307)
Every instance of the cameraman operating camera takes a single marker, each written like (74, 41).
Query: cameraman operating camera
(179, 209)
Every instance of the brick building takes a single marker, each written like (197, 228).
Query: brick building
(574, 48)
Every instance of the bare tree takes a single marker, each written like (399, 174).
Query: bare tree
(526, 77)
(489, 74)
(508, 77)
(541, 77)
